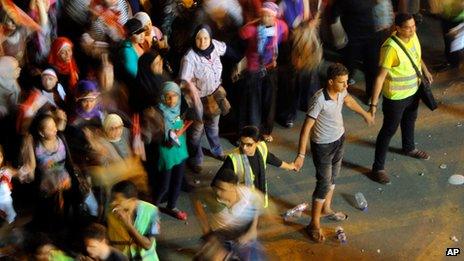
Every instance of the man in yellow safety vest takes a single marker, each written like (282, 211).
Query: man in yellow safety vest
(249, 161)
(398, 82)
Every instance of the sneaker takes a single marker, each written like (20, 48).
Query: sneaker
(381, 177)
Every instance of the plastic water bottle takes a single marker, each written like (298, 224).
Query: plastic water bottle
(296, 211)
(341, 236)
(361, 201)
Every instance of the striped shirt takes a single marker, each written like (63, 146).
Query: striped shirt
(204, 73)
(100, 31)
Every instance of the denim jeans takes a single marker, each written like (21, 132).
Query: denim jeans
(327, 159)
(396, 112)
(210, 127)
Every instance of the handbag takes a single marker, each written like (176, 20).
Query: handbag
(425, 90)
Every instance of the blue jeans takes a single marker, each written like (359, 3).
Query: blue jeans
(327, 159)
(210, 127)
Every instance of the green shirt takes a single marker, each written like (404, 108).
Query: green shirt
(172, 156)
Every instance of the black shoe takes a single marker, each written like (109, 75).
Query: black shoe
(381, 177)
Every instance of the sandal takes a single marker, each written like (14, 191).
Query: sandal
(268, 138)
(337, 216)
(315, 234)
(418, 154)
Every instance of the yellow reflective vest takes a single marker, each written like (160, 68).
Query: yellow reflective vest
(239, 167)
(402, 81)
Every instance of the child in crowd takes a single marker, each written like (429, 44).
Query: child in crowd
(6, 201)
(97, 245)
(132, 223)
(173, 151)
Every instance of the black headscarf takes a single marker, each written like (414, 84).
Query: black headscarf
(207, 52)
(149, 84)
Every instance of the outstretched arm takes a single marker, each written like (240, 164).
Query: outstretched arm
(354, 106)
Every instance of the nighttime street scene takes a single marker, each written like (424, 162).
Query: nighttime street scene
(231, 130)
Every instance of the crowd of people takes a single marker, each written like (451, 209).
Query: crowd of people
(104, 105)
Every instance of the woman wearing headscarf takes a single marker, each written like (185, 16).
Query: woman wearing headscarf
(172, 151)
(9, 88)
(152, 33)
(150, 77)
(131, 49)
(44, 12)
(200, 72)
(62, 60)
(9, 96)
(88, 110)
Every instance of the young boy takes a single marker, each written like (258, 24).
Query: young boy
(324, 124)
(97, 246)
(132, 223)
(250, 159)
(236, 225)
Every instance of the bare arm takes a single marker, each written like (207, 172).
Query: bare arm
(252, 232)
(354, 106)
(139, 239)
(426, 72)
(302, 144)
(379, 80)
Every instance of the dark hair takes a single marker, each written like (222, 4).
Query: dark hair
(37, 125)
(34, 242)
(125, 187)
(95, 231)
(1, 150)
(250, 132)
(335, 70)
(225, 175)
(400, 18)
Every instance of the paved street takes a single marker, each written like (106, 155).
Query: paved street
(413, 218)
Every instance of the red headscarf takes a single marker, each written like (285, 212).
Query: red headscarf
(66, 68)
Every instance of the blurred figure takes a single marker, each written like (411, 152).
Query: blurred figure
(62, 60)
(9, 88)
(153, 35)
(258, 96)
(41, 248)
(132, 223)
(7, 210)
(97, 244)
(236, 225)
(131, 49)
